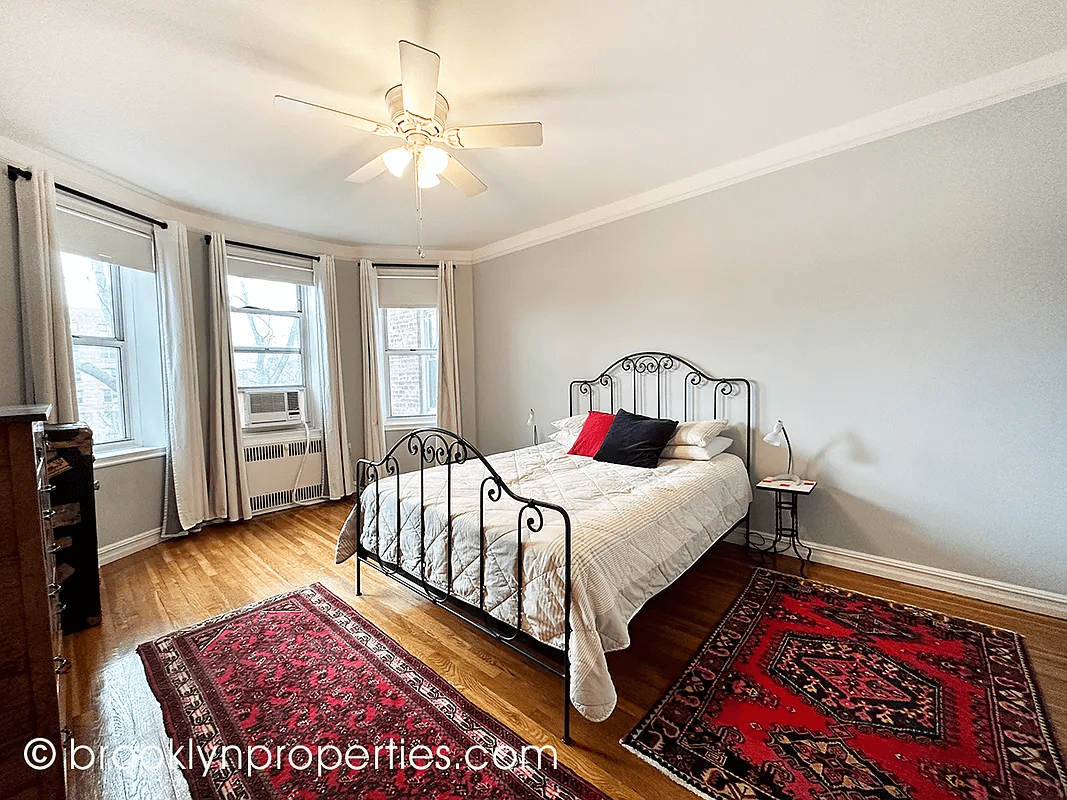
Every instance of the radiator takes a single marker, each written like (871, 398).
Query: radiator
(272, 468)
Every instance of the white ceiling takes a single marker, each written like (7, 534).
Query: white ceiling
(176, 97)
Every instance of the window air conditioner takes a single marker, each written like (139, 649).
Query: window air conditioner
(272, 406)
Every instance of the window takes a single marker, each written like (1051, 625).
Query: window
(101, 359)
(407, 341)
(275, 316)
(410, 359)
(110, 282)
(267, 324)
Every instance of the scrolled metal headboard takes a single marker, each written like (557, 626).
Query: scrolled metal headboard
(652, 382)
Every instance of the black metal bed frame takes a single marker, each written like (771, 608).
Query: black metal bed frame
(437, 447)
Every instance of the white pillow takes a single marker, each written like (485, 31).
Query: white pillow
(699, 434)
(691, 452)
(576, 422)
(565, 438)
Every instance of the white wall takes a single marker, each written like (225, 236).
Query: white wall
(901, 306)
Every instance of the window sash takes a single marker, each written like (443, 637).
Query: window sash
(123, 389)
(300, 350)
(299, 384)
(263, 312)
(411, 351)
(115, 342)
(250, 349)
(424, 355)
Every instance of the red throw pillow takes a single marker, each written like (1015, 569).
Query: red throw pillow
(596, 427)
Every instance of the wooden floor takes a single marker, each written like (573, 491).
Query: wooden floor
(179, 583)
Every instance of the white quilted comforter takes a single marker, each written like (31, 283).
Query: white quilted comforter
(634, 531)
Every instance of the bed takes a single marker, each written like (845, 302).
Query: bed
(550, 553)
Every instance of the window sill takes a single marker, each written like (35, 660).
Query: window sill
(127, 455)
(411, 425)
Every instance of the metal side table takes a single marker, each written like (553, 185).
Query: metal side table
(786, 521)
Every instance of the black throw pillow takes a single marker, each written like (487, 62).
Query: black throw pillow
(635, 441)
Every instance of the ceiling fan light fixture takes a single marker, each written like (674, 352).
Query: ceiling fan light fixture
(433, 159)
(397, 160)
(427, 180)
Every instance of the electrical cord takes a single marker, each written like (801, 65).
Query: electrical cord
(300, 471)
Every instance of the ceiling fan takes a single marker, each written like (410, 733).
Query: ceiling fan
(418, 113)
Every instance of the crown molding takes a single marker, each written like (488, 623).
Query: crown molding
(88, 178)
(1031, 76)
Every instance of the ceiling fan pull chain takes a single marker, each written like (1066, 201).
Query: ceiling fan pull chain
(418, 204)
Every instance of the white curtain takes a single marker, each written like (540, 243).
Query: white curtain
(340, 479)
(227, 482)
(448, 410)
(181, 383)
(373, 429)
(47, 351)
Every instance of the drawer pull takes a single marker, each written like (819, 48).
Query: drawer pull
(48, 488)
(53, 589)
(61, 607)
(48, 513)
(54, 548)
(63, 666)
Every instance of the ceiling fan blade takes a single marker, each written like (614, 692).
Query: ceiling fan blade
(462, 178)
(331, 114)
(511, 134)
(419, 69)
(372, 169)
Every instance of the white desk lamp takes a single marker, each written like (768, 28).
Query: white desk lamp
(775, 438)
(531, 422)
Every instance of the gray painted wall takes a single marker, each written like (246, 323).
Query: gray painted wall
(10, 308)
(902, 307)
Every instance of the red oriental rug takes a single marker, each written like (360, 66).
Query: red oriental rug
(300, 697)
(809, 691)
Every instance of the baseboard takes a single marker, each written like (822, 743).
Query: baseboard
(128, 546)
(1023, 598)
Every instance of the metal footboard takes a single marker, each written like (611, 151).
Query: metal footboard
(437, 447)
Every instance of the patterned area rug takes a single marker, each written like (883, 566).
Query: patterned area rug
(808, 691)
(299, 696)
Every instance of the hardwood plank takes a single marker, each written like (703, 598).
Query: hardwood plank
(179, 583)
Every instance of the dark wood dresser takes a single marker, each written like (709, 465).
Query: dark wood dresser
(73, 497)
(31, 660)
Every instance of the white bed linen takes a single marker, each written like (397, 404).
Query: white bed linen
(634, 531)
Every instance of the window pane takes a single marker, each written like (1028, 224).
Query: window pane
(411, 328)
(264, 330)
(401, 325)
(428, 328)
(90, 296)
(257, 293)
(98, 377)
(269, 369)
(412, 385)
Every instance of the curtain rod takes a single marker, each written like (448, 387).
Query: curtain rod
(14, 173)
(262, 249)
(408, 266)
